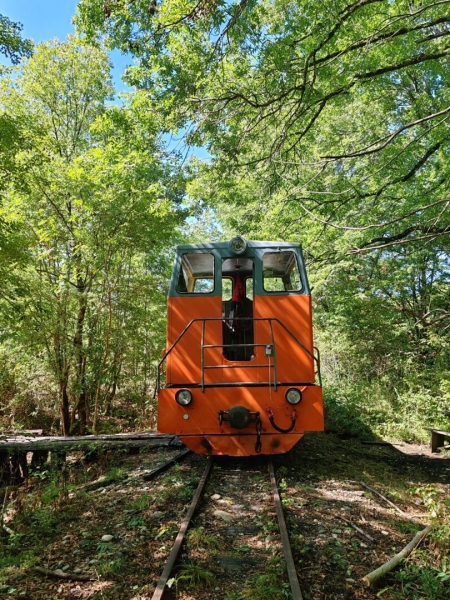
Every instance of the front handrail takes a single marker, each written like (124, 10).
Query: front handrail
(203, 320)
(317, 351)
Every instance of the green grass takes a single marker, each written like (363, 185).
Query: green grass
(272, 585)
(197, 538)
(116, 473)
(141, 503)
(112, 569)
(167, 532)
(405, 527)
(195, 574)
(266, 587)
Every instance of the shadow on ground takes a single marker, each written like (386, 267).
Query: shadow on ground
(325, 498)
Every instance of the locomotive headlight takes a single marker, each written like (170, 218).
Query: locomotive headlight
(238, 245)
(183, 397)
(293, 396)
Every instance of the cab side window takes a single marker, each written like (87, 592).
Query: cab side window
(281, 272)
(196, 275)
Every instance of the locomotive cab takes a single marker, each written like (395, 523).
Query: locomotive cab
(240, 374)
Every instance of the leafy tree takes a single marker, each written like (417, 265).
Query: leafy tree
(94, 193)
(14, 48)
(12, 45)
(338, 107)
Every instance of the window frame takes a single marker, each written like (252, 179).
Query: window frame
(182, 267)
(296, 264)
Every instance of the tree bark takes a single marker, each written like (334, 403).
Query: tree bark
(78, 347)
(64, 405)
(103, 365)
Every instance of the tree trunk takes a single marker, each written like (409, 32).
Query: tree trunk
(62, 371)
(79, 415)
(103, 365)
(64, 405)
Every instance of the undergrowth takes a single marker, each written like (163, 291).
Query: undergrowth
(373, 410)
(426, 573)
(271, 585)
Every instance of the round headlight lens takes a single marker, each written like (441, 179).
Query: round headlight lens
(293, 396)
(183, 397)
(238, 245)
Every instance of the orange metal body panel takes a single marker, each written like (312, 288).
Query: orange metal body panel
(293, 363)
(198, 427)
(183, 363)
(241, 445)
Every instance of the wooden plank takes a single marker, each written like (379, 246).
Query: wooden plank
(437, 438)
(114, 436)
(26, 444)
(166, 465)
(441, 431)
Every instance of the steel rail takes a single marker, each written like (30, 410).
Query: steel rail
(292, 573)
(160, 588)
(177, 458)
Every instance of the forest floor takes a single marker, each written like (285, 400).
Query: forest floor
(61, 523)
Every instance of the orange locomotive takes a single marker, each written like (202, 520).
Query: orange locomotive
(238, 375)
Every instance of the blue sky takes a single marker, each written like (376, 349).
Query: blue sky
(44, 20)
(41, 19)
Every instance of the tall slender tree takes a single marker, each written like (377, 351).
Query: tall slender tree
(91, 190)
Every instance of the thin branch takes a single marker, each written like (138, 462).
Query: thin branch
(239, 9)
(384, 498)
(372, 225)
(387, 139)
(372, 40)
(372, 577)
(366, 535)
(406, 232)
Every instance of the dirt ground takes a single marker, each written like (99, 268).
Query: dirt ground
(323, 483)
(325, 477)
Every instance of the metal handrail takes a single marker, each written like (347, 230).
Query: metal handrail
(317, 351)
(274, 358)
(247, 363)
(203, 320)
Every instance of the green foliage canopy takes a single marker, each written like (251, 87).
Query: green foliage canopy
(338, 109)
(12, 45)
(94, 198)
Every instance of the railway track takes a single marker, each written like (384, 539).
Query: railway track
(339, 531)
(229, 538)
(229, 531)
